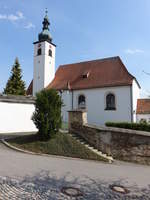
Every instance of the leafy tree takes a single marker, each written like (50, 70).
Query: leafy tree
(47, 115)
(15, 85)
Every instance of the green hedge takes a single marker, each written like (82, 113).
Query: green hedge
(126, 125)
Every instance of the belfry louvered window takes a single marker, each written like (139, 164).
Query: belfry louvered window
(50, 52)
(39, 51)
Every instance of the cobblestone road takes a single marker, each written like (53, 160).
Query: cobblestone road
(44, 187)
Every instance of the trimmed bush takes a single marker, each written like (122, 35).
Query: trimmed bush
(47, 115)
(133, 126)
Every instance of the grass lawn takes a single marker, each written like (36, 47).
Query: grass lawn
(61, 144)
(64, 126)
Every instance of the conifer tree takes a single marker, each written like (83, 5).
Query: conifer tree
(15, 85)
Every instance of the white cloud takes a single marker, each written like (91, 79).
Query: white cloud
(3, 16)
(16, 18)
(29, 25)
(133, 51)
(20, 14)
(11, 17)
(144, 93)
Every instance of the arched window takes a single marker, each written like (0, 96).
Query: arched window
(39, 52)
(110, 102)
(81, 102)
(50, 52)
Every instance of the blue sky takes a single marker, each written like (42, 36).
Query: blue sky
(81, 29)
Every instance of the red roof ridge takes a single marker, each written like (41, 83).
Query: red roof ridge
(144, 99)
(89, 61)
(124, 67)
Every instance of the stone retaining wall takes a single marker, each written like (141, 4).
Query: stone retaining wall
(122, 144)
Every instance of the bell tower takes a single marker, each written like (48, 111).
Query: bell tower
(44, 58)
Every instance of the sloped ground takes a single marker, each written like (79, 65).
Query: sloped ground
(61, 144)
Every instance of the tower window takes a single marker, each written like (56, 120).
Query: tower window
(81, 102)
(39, 52)
(110, 102)
(50, 52)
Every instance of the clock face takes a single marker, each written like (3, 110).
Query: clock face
(39, 45)
(50, 46)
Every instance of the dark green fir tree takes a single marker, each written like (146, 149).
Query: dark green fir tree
(15, 85)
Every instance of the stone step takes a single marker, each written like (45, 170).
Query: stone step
(82, 141)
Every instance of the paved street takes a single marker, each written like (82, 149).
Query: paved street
(24, 176)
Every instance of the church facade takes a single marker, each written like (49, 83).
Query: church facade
(103, 87)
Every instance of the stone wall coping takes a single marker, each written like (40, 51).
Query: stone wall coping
(17, 99)
(78, 110)
(119, 130)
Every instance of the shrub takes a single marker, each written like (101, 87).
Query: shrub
(143, 121)
(47, 115)
(126, 125)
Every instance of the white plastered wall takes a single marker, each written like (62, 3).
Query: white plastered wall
(135, 97)
(16, 117)
(67, 104)
(44, 66)
(96, 103)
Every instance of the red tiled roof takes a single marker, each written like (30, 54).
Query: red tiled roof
(107, 72)
(30, 89)
(143, 106)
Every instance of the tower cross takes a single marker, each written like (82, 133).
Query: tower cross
(46, 11)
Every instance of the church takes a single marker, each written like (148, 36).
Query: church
(103, 87)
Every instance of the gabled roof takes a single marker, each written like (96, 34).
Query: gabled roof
(143, 106)
(30, 89)
(107, 72)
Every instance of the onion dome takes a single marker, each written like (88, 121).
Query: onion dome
(45, 34)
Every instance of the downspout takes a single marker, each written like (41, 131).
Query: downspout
(131, 97)
(71, 90)
(72, 98)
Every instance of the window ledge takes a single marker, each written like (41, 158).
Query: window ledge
(110, 109)
(82, 108)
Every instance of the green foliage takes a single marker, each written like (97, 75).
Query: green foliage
(143, 121)
(15, 85)
(47, 115)
(133, 126)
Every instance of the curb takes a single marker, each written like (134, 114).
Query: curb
(20, 150)
(63, 131)
(48, 155)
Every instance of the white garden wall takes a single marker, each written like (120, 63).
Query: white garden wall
(15, 115)
(140, 117)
